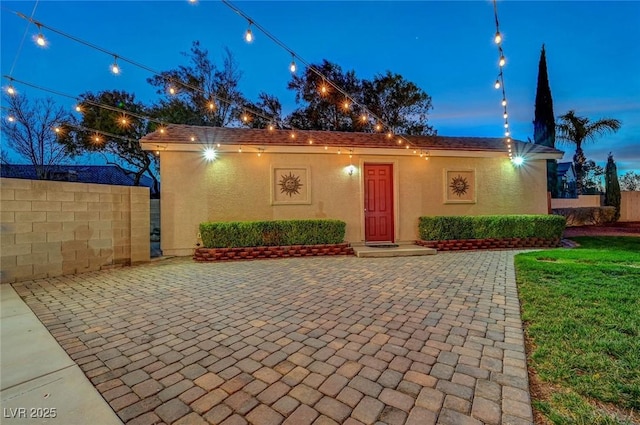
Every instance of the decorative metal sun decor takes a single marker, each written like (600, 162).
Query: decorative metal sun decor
(459, 185)
(290, 184)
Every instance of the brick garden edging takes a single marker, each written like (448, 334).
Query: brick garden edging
(258, 252)
(502, 243)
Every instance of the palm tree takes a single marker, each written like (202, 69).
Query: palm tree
(577, 130)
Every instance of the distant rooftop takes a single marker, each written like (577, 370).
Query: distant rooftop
(99, 174)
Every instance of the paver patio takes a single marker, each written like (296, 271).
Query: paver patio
(410, 340)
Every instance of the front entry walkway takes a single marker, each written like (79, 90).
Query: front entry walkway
(405, 340)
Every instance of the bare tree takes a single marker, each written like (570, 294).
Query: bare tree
(31, 134)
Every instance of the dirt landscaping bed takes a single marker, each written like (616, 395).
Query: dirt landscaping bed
(631, 228)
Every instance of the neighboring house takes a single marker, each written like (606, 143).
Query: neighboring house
(100, 174)
(377, 185)
(566, 180)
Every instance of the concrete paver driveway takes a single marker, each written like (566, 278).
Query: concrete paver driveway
(412, 340)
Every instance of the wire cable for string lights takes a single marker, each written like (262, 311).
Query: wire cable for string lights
(325, 79)
(142, 66)
(197, 89)
(500, 81)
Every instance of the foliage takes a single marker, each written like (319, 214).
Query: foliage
(32, 134)
(490, 227)
(544, 124)
(578, 130)
(325, 107)
(237, 234)
(630, 181)
(590, 352)
(581, 216)
(612, 195)
(197, 85)
(591, 180)
(118, 119)
(398, 102)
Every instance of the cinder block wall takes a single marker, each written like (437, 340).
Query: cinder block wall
(56, 228)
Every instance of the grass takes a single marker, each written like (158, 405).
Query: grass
(581, 309)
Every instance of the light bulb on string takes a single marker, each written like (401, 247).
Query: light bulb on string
(292, 135)
(292, 66)
(240, 149)
(57, 129)
(504, 102)
(260, 150)
(115, 68)
(498, 37)
(497, 84)
(502, 60)
(11, 118)
(346, 105)
(505, 115)
(389, 135)
(364, 117)
(248, 36)
(271, 127)
(78, 108)
(40, 40)
(11, 90)
(378, 127)
(212, 105)
(323, 88)
(310, 141)
(172, 90)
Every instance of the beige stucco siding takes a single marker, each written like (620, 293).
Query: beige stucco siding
(237, 186)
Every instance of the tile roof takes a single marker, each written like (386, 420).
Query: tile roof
(183, 134)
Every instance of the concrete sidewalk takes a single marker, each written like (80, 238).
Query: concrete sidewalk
(39, 382)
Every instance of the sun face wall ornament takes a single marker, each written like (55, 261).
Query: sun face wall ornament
(459, 185)
(290, 184)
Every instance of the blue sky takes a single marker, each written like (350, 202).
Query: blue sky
(446, 48)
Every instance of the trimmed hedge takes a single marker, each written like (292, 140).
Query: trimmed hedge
(240, 234)
(491, 227)
(581, 216)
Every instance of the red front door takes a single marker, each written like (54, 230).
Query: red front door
(378, 203)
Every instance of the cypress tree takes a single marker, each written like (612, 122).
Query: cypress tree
(612, 195)
(544, 124)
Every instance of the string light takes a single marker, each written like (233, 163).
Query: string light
(78, 108)
(115, 69)
(378, 127)
(292, 66)
(240, 149)
(500, 81)
(260, 150)
(135, 63)
(248, 36)
(40, 40)
(326, 82)
(11, 118)
(310, 141)
(11, 90)
(271, 127)
(346, 105)
(212, 105)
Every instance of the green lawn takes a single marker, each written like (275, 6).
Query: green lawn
(581, 309)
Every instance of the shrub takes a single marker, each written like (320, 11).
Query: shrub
(238, 234)
(490, 227)
(587, 215)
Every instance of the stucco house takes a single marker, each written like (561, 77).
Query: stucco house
(567, 180)
(378, 185)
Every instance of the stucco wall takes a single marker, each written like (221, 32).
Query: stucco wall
(580, 201)
(54, 228)
(236, 186)
(630, 206)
